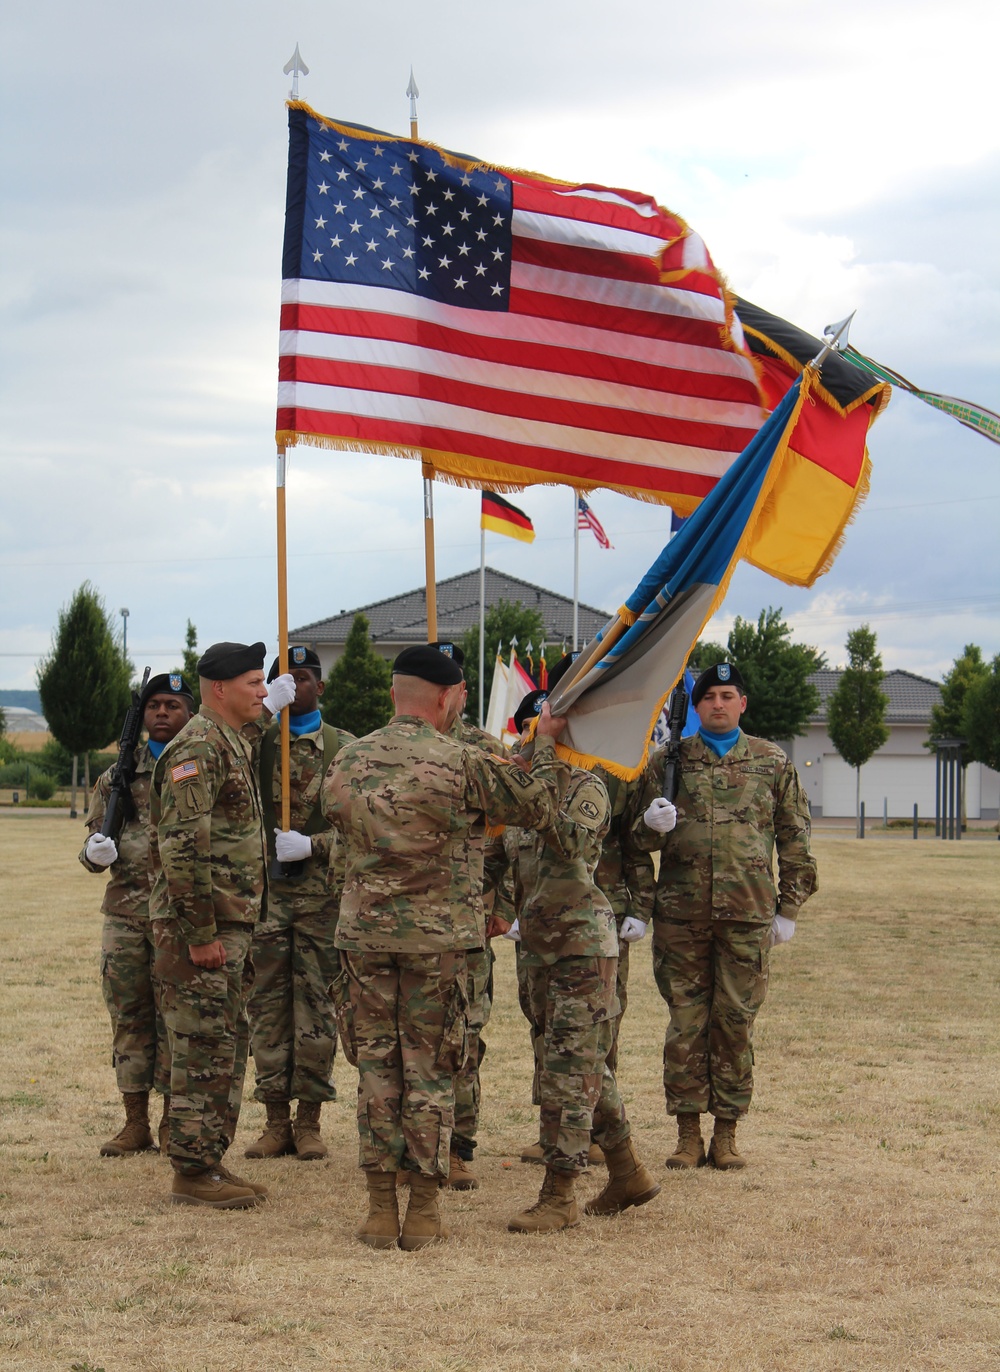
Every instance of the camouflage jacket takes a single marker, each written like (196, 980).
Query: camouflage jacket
(732, 812)
(322, 876)
(625, 872)
(410, 803)
(206, 828)
(563, 913)
(129, 878)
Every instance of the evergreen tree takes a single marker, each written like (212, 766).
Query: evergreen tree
(948, 717)
(855, 713)
(84, 681)
(981, 716)
(504, 620)
(776, 672)
(357, 690)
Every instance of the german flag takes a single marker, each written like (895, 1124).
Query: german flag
(502, 517)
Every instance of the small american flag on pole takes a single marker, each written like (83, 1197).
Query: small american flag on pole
(506, 328)
(586, 519)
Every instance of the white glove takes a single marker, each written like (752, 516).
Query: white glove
(661, 816)
(514, 932)
(101, 851)
(633, 929)
(280, 692)
(782, 930)
(291, 846)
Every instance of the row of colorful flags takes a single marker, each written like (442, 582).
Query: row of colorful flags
(499, 516)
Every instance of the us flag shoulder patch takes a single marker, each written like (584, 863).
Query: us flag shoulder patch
(184, 771)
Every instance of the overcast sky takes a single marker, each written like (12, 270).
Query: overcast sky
(832, 156)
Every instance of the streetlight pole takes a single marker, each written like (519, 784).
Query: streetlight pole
(124, 614)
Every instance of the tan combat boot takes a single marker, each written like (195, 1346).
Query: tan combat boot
(629, 1183)
(690, 1151)
(212, 1188)
(135, 1137)
(381, 1228)
(259, 1190)
(595, 1156)
(163, 1133)
(722, 1150)
(534, 1153)
(555, 1208)
(460, 1175)
(422, 1224)
(276, 1139)
(309, 1145)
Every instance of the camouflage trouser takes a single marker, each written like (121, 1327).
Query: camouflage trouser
(571, 1005)
(139, 1040)
(293, 1030)
(467, 1088)
(621, 988)
(402, 1021)
(207, 1034)
(713, 976)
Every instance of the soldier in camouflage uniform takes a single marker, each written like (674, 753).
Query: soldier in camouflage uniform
(568, 954)
(409, 803)
(139, 1046)
(208, 856)
(293, 1030)
(717, 912)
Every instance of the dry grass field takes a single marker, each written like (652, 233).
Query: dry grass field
(864, 1234)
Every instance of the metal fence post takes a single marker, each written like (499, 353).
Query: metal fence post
(861, 830)
(915, 822)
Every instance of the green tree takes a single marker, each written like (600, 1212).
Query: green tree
(981, 716)
(504, 620)
(357, 690)
(776, 672)
(189, 670)
(855, 713)
(84, 681)
(948, 717)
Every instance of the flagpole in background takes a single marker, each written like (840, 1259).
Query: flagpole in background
(482, 615)
(430, 575)
(576, 571)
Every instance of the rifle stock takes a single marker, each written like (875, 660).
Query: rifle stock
(676, 717)
(119, 807)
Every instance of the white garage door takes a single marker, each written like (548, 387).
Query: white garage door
(905, 781)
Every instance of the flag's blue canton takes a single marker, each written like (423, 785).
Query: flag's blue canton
(396, 214)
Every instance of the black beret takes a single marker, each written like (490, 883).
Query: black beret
(429, 664)
(560, 669)
(297, 657)
(223, 661)
(166, 684)
(722, 674)
(530, 706)
(451, 650)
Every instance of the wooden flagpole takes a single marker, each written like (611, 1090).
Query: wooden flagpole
(286, 795)
(430, 577)
(576, 570)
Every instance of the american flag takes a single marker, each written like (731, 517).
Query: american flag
(506, 328)
(586, 519)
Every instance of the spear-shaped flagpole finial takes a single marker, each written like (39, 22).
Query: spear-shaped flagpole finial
(413, 93)
(836, 339)
(295, 67)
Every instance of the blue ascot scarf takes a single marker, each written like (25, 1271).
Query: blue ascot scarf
(156, 748)
(720, 743)
(304, 724)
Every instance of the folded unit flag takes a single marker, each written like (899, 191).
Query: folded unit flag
(501, 517)
(586, 519)
(615, 690)
(506, 328)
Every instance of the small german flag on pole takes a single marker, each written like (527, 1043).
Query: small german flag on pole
(501, 517)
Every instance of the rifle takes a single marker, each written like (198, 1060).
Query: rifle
(676, 718)
(120, 805)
